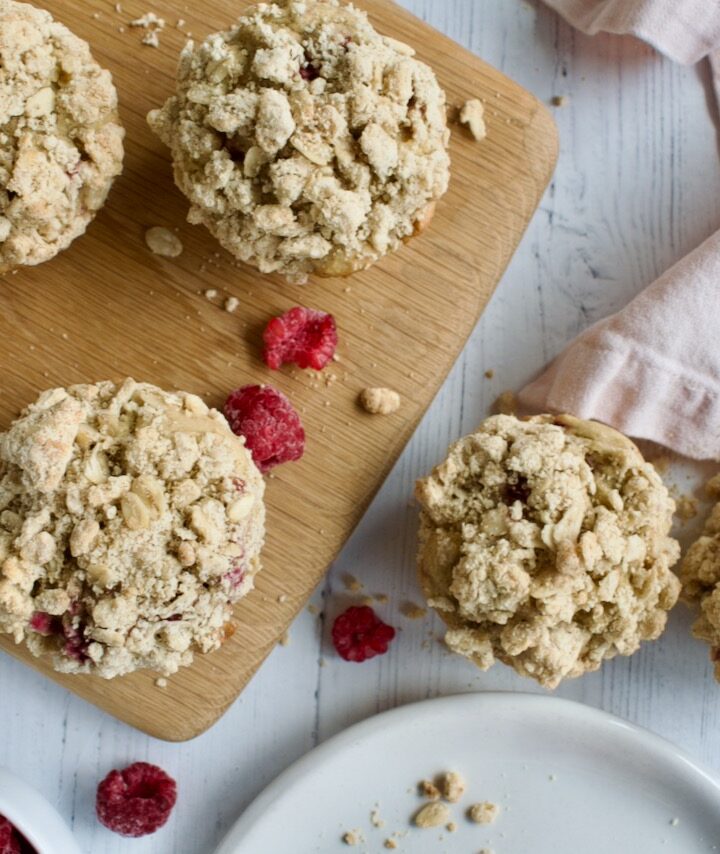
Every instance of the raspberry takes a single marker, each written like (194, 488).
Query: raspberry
(303, 336)
(44, 624)
(272, 428)
(236, 576)
(9, 841)
(75, 643)
(136, 801)
(359, 634)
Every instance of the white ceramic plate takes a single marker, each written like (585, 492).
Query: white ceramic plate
(569, 779)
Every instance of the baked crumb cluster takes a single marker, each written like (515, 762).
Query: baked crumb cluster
(306, 141)
(60, 136)
(700, 576)
(544, 544)
(130, 521)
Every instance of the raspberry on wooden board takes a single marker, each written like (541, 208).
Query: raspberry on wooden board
(270, 424)
(301, 335)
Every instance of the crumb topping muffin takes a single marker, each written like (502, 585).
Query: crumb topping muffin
(131, 519)
(60, 136)
(305, 141)
(700, 576)
(544, 543)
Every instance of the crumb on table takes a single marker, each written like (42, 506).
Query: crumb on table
(506, 404)
(686, 507)
(351, 583)
(712, 487)
(412, 611)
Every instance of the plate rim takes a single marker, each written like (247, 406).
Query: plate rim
(658, 745)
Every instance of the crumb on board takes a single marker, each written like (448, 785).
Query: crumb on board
(489, 374)
(210, 293)
(433, 814)
(472, 114)
(375, 818)
(390, 843)
(380, 401)
(153, 26)
(451, 827)
(412, 611)
(353, 837)
(161, 682)
(282, 598)
(231, 304)
(484, 812)
(284, 638)
(162, 241)
(506, 404)
(560, 100)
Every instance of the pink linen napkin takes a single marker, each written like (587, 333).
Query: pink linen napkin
(685, 30)
(653, 369)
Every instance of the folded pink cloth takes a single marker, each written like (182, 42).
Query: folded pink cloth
(653, 369)
(685, 30)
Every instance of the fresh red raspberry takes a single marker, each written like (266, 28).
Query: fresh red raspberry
(303, 336)
(136, 801)
(9, 840)
(359, 634)
(272, 428)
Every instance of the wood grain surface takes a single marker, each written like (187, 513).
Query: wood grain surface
(107, 307)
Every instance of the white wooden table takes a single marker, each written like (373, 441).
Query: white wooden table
(637, 186)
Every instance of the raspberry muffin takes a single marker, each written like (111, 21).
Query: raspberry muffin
(131, 520)
(700, 576)
(544, 543)
(305, 141)
(61, 142)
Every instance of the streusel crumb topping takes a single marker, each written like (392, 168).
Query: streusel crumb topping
(544, 543)
(130, 521)
(700, 576)
(305, 140)
(60, 136)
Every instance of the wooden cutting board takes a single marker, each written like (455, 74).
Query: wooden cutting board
(108, 308)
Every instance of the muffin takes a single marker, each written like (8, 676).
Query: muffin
(700, 576)
(305, 141)
(60, 136)
(131, 520)
(544, 544)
